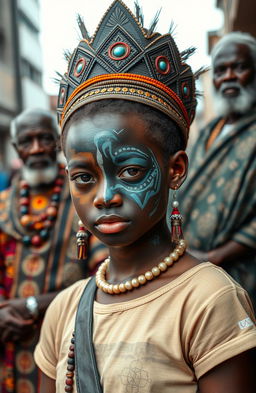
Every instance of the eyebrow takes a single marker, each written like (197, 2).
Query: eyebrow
(79, 164)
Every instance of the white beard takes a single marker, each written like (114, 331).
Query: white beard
(37, 177)
(224, 106)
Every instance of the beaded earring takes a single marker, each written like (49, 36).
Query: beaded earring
(176, 221)
(82, 241)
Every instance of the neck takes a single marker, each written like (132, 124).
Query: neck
(41, 188)
(142, 255)
(233, 118)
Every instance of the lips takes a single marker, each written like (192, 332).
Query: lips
(38, 162)
(230, 90)
(111, 224)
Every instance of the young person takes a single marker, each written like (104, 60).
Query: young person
(157, 320)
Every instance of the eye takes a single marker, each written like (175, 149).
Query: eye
(24, 143)
(240, 67)
(85, 178)
(47, 139)
(219, 70)
(132, 173)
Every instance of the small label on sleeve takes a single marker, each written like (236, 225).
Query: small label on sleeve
(245, 323)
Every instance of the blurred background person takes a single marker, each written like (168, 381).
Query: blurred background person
(218, 200)
(38, 228)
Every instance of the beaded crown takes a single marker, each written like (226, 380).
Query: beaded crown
(125, 60)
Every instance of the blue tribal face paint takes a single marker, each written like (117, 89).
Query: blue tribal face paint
(112, 156)
(119, 180)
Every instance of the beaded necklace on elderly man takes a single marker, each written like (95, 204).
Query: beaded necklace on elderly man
(38, 226)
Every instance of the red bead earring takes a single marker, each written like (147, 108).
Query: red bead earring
(81, 241)
(176, 221)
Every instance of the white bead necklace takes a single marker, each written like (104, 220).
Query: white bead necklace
(142, 279)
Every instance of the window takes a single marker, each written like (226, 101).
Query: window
(30, 71)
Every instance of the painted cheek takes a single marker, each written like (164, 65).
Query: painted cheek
(80, 197)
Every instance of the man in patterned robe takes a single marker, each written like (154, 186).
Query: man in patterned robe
(38, 228)
(218, 199)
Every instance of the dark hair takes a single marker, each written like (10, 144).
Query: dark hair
(161, 128)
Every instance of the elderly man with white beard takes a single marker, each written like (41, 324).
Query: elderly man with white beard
(38, 258)
(218, 200)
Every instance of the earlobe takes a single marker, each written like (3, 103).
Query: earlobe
(15, 147)
(178, 166)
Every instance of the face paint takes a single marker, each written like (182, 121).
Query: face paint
(118, 178)
(112, 156)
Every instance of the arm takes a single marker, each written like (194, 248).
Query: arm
(16, 322)
(229, 251)
(225, 253)
(19, 304)
(46, 384)
(235, 375)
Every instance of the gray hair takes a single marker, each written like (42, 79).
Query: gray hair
(235, 37)
(30, 118)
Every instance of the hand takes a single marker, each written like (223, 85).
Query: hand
(213, 256)
(17, 304)
(200, 255)
(15, 323)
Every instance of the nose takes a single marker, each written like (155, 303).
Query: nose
(36, 147)
(107, 198)
(229, 74)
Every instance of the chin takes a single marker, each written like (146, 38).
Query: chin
(241, 104)
(120, 239)
(37, 177)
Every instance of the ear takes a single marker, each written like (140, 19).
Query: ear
(14, 144)
(58, 143)
(178, 167)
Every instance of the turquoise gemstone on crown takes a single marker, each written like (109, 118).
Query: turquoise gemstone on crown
(119, 51)
(185, 90)
(79, 68)
(163, 65)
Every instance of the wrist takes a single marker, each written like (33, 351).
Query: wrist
(32, 307)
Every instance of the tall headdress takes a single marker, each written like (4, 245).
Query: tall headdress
(125, 60)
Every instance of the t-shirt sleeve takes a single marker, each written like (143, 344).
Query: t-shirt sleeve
(59, 317)
(223, 328)
(46, 354)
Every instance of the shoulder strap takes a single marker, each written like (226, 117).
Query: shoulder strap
(87, 375)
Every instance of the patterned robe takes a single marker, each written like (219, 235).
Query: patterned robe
(218, 200)
(27, 271)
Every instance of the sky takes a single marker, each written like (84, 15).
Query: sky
(59, 31)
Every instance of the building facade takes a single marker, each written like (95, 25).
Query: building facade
(20, 66)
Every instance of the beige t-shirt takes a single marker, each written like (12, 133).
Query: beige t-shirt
(160, 342)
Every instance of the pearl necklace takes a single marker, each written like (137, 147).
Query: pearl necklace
(142, 279)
